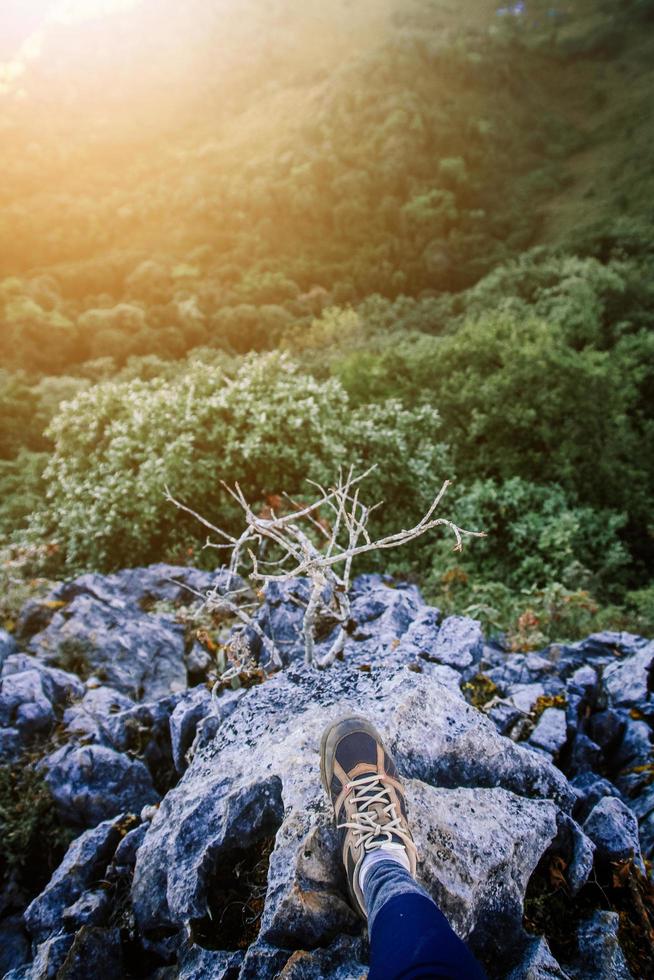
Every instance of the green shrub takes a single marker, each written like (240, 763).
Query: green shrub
(266, 425)
(33, 838)
(536, 535)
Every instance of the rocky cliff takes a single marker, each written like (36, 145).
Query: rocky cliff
(201, 844)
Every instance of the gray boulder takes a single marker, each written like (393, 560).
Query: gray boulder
(257, 778)
(24, 704)
(90, 909)
(524, 696)
(342, 960)
(196, 963)
(138, 654)
(381, 616)
(578, 850)
(49, 958)
(93, 783)
(478, 848)
(457, 643)
(134, 589)
(95, 952)
(629, 681)
(60, 687)
(600, 955)
(83, 864)
(591, 788)
(184, 720)
(8, 646)
(538, 964)
(551, 731)
(613, 828)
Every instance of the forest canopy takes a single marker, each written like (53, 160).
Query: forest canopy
(415, 234)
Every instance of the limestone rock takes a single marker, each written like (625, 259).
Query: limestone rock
(93, 783)
(184, 721)
(600, 955)
(459, 642)
(8, 646)
(90, 909)
(138, 654)
(258, 775)
(538, 964)
(83, 864)
(478, 848)
(551, 731)
(95, 952)
(629, 681)
(613, 828)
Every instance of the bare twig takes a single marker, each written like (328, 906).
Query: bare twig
(338, 544)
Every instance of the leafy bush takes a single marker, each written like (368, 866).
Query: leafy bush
(266, 425)
(33, 838)
(536, 535)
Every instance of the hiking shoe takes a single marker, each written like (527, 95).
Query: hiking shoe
(369, 803)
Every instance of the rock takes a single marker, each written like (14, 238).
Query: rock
(24, 705)
(133, 589)
(198, 660)
(606, 728)
(632, 758)
(49, 959)
(524, 696)
(477, 849)
(138, 654)
(600, 955)
(585, 679)
(93, 783)
(381, 616)
(458, 643)
(522, 669)
(184, 720)
(613, 828)
(257, 778)
(90, 909)
(125, 856)
(630, 680)
(592, 788)
(447, 676)
(551, 731)
(538, 964)
(196, 963)
(282, 615)
(419, 640)
(95, 952)
(262, 960)
(84, 863)
(87, 719)
(34, 616)
(105, 717)
(343, 960)
(14, 944)
(585, 755)
(503, 714)
(60, 687)
(578, 850)
(8, 646)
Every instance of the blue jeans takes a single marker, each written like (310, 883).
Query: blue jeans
(410, 938)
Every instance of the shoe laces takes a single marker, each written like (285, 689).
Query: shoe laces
(369, 794)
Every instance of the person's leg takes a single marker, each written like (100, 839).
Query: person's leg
(409, 936)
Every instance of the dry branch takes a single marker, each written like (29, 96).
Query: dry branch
(341, 538)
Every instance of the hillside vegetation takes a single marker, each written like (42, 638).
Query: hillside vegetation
(258, 245)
